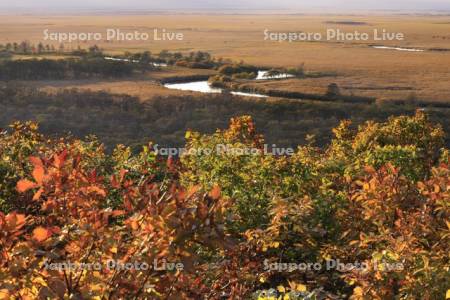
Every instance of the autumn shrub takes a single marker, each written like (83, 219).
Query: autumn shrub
(308, 203)
(154, 223)
(15, 149)
(231, 219)
(401, 231)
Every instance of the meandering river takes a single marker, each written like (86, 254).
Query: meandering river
(134, 61)
(203, 86)
(398, 48)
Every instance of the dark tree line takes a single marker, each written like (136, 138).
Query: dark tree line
(123, 119)
(26, 47)
(45, 69)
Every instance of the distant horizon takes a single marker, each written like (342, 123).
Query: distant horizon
(144, 11)
(231, 5)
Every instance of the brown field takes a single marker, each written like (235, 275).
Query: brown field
(144, 89)
(361, 69)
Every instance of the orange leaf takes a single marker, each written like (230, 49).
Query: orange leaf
(370, 169)
(194, 189)
(134, 225)
(25, 185)
(215, 192)
(117, 213)
(41, 234)
(38, 194)
(72, 248)
(36, 162)
(38, 174)
(96, 190)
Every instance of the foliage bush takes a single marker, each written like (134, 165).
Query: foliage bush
(231, 69)
(377, 195)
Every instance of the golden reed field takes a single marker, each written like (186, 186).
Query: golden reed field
(360, 69)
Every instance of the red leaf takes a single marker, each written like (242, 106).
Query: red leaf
(55, 230)
(122, 174)
(60, 159)
(171, 164)
(15, 221)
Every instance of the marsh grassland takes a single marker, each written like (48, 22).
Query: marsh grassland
(136, 108)
(359, 68)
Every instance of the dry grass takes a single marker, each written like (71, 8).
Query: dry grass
(144, 89)
(145, 86)
(364, 70)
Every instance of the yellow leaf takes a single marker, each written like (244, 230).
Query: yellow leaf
(359, 183)
(300, 288)
(437, 188)
(357, 291)
(327, 257)
(40, 281)
(96, 287)
(4, 294)
(281, 289)
(262, 279)
(447, 295)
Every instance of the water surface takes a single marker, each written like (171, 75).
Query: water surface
(263, 75)
(399, 48)
(204, 87)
